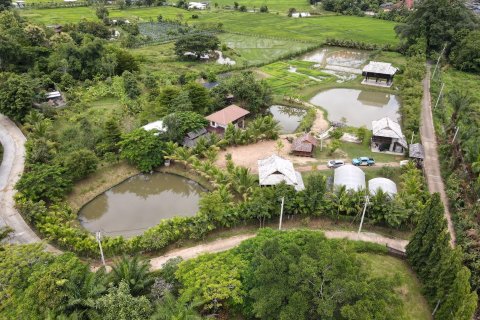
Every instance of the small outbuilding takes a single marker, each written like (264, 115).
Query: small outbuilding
(384, 184)
(388, 136)
(416, 153)
(55, 99)
(350, 176)
(198, 5)
(303, 146)
(156, 125)
(232, 114)
(379, 74)
(191, 138)
(274, 170)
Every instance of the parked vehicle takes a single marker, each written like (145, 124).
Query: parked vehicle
(363, 161)
(335, 163)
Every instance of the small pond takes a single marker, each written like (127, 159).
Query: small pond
(288, 117)
(358, 107)
(139, 203)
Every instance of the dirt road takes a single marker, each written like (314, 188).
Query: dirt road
(229, 243)
(13, 142)
(431, 162)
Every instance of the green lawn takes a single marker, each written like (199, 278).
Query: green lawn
(58, 15)
(350, 150)
(415, 305)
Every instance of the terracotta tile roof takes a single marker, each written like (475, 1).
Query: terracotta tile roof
(227, 115)
(304, 143)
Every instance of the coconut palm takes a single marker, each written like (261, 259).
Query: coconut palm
(134, 272)
(83, 295)
(242, 181)
(182, 155)
(172, 309)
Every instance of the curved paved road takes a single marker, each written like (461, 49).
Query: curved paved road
(13, 142)
(431, 162)
(229, 243)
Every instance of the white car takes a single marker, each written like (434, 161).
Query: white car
(335, 163)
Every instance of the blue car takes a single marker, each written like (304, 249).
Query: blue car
(363, 161)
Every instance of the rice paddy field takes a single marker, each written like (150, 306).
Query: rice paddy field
(309, 30)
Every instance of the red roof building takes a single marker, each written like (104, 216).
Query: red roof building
(232, 114)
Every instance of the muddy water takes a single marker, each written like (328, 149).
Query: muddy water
(288, 118)
(139, 203)
(338, 59)
(358, 107)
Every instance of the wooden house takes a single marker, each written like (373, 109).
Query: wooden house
(303, 146)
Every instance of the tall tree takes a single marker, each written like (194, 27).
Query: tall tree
(142, 148)
(17, 94)
(198, 45)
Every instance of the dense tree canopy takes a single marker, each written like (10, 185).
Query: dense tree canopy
(198, 45)
(142, 148)
(439, 22)
(17, 95)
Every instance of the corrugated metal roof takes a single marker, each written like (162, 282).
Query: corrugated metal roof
(386, 127)
(274, 170)
(304, 143)
(227, 115)
(416, 151)
(380, 67)
(156, 125)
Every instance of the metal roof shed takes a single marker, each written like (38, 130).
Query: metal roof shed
(384, 184)
(352, 177)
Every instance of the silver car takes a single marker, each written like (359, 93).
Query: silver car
(335, 163)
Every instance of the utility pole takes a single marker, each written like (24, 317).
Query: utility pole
(98, 236)
(363, 215)
(411, 140)
(281, 214)
(439, 95)
(438, 60)
(455, 135)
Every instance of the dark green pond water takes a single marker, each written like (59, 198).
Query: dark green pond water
(141, 202)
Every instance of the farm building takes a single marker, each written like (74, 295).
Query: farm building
(416, 153)
(275, 170)
(384, 184)
(350, 176)
(388, 136)
(232, 114)
(192, 137)
(300, 14)
(198, 5)
(303, 146)
(55, 99)
(381, 72)
(156, 125)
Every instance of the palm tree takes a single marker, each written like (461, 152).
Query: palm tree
(172, 309)
(459, 100)
(83, 295)
(134, 272)
(182, 155)
(169, 149)
(242, 181)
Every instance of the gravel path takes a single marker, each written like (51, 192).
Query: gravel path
(431, 162)
(229, 243)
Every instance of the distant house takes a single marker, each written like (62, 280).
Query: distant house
(303, 146)
(275, 170)
(198, 5)
(388, 136)
(300, 14)
(191, 138)
(156, 125)
(55, 99)
(379, 74)
(232, 114)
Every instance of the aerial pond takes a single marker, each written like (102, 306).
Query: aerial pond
(357, 107)
(139, 203)
(288, 117)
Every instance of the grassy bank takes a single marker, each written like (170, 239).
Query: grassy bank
(409, 290)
